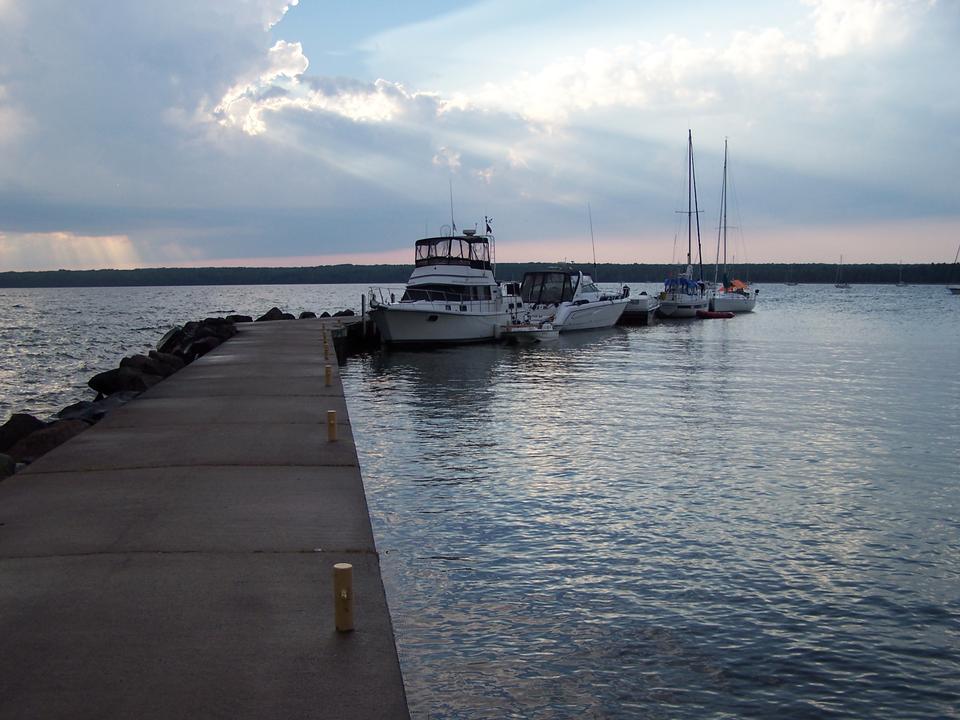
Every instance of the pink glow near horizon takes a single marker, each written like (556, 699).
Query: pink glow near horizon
(914, 241)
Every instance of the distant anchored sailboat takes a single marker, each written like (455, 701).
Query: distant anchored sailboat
(840, 283)
(953, 287)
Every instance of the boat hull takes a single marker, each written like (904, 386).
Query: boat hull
(589, 315)
(640, 310)
(954, 289)
(427, 324)
(529, 334)
(681, 305)
(733, 302)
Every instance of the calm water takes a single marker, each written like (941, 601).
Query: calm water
(746, 518)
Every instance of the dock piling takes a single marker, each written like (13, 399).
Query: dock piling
(343, 596)
(331, 425)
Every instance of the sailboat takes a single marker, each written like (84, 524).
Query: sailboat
(682, 296)
(839, 283)
(735, 295)
(900, 282)
(954, 288)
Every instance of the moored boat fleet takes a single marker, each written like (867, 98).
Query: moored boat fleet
(452, 295)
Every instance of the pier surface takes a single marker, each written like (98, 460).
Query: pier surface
(176, 559)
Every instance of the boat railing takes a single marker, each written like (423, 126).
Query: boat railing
(384, 295)
(396, 295)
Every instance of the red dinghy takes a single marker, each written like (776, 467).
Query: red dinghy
(713, 314)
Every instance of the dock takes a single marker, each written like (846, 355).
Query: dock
(176, 559)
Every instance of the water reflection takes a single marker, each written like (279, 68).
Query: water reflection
(675, 521)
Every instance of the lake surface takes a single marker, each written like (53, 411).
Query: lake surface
(755, 517)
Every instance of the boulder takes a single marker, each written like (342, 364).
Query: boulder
(170, 340)
(18, 427)
(324, 314)
(106, 382)
(92, 412)
(344, 313)
(287, 316)
(224, 332)
(122, 379)
(8, 466)
(168, 359)
(273, 313)
(307, 314)
(239, 318)
(147, 365)
(43, 441)
(204, 345)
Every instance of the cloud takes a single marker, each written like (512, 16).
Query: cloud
(448, 158)
(845, 26)
(274, 10)
(196, 134)
(12, 120)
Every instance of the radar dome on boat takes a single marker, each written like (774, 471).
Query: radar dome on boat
(470, 232)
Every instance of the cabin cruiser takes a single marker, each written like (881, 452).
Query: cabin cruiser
(451, 296)
(569, 300)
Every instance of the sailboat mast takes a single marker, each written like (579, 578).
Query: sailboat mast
(696, 208)
(724, 193)
(689, 193)
(722, 226)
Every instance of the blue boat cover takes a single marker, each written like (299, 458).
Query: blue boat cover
(682, 284)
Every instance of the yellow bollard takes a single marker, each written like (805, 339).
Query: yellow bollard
(326, 351)
(331, 425)
(343, 596)
(327, 375)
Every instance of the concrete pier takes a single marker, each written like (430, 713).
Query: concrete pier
(176, 560)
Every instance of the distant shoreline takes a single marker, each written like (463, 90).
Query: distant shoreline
(873, 273)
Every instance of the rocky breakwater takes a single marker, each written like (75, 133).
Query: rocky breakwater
(24, 438)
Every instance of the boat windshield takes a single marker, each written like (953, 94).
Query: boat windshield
(546, 288)
(446, 293)
(472, 251)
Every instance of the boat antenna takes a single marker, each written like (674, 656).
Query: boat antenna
(453, 223)
(592, 243)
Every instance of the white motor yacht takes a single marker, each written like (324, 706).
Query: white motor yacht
(569, 300)
(451, 296)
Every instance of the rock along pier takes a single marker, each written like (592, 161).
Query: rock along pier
(176, 560)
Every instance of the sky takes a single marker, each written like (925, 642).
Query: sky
(279, 133)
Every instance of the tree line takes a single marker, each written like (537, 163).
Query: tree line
(923, 273)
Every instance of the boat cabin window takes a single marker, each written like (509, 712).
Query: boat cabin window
(447, 293)
(472, 251)
(546, 288)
